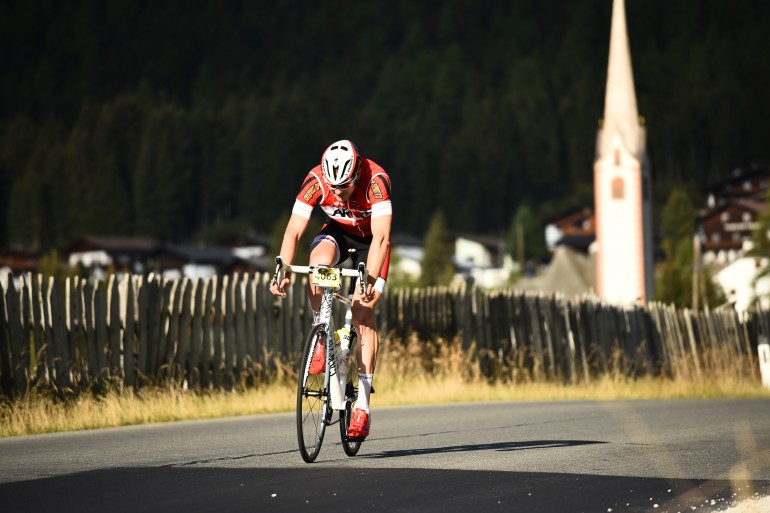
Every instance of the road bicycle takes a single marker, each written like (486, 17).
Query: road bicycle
(320, 395)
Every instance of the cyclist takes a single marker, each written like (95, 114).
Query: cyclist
(354, 193)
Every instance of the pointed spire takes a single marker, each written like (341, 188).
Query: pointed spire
(621, 117)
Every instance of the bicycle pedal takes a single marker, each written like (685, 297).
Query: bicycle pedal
(356, 438)
(352, 391)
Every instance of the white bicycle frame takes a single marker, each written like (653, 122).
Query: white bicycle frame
(335, 380)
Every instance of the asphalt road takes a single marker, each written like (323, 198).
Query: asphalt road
(536, 457)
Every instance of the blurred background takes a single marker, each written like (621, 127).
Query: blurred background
(194, 122)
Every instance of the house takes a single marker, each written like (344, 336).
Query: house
(17, 262)
(482, 259)
(727, 221)
(726, 230)
(726, 225)
(177, 261)
(126, 254)
(737, 280)
(574, 228)
(247, 247)
(751, 183)
(251, 253)
(406, 259)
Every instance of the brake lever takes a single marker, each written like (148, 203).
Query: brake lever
(362, 275)
(278, 267)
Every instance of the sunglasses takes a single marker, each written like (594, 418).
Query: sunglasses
(347, 185)
(342, 187)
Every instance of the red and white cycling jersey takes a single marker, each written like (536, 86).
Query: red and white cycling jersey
(371, 198)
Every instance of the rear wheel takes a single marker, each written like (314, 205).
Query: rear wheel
(351, 447)
(351, 394)
(313, 413)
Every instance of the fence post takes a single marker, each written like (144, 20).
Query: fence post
(763, 349)
(61, 354)
(219, 290)
(16, 332)
(129, 333)
(239, 290)
(37, 321)
(100, 320)
(251, 327)
(183, 347)
(228, 323)
(115, 369)
(6, 368)
(196, 335)
(86, 318)
(207, 344)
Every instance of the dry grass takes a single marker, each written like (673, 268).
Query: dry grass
(409, 372)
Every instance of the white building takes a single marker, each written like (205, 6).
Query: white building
(483, 259)
(737, 282)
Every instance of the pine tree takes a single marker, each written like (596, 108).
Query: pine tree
(525, 236)
(437, 266)
(674, 283)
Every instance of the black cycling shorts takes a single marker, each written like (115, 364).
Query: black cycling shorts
(348, 246)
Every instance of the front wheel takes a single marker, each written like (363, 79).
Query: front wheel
(312, 399)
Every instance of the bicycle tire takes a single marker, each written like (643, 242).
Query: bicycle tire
(349, 446)
(313, 412)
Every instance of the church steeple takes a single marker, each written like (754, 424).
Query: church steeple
(621, 117)
(623, 207)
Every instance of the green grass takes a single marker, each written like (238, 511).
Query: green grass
(409, 372)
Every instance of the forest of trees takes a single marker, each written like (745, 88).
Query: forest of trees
(190, 120)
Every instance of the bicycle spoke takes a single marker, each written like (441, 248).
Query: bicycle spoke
(312, 400)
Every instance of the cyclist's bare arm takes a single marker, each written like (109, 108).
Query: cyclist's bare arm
(377, 251)
(294, 230)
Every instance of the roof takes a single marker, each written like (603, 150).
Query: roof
(753, 205)
(213, 255)
(116, 244)
(570, 272)
(405, 239)
(247, 240)
(621, 115)
(737, 177)
(19, 261)
(574, 212)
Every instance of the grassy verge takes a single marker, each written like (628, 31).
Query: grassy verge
(409, 372)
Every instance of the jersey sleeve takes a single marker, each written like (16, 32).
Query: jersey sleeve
(310, 194)
(378, 195)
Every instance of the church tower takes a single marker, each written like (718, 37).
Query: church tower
(622, 195)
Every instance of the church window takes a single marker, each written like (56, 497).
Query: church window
(618, 188)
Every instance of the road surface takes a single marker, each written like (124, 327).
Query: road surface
(617, 456)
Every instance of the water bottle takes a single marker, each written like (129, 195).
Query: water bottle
(342, 337)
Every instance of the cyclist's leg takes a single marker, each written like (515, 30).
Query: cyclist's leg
(369, 340)
(363, 317)
(324, 250)
(366, 356)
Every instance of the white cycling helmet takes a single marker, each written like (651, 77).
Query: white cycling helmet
(340, 163)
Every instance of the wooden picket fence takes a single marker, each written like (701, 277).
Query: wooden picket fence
(222, 332)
